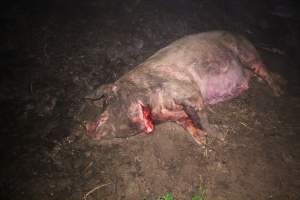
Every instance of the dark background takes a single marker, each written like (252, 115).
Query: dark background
(53, 53)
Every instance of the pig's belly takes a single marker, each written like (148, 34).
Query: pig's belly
(216, 88)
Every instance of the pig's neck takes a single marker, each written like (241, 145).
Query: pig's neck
(134, 93)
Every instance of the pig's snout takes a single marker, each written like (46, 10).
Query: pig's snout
(97, 132)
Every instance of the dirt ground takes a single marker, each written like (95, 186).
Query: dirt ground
(53, 54)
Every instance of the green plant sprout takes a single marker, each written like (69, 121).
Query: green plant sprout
(200, 196)
(167, 196)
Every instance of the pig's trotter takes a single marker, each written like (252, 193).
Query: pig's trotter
(198, 135)
(182, 118)
(272, 79)
(200, 120)
(211, 133)
(278, 84)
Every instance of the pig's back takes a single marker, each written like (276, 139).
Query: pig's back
(205, 58)
(203, 47)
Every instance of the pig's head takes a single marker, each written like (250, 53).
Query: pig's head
(122, 117)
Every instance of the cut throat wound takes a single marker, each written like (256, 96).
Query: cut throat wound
(146, 114)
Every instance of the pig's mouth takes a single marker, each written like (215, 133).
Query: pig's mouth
(93, 127)
(90, 128)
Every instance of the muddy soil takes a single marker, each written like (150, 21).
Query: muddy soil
(54, 53)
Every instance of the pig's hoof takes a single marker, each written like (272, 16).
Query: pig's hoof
(277, 90)
(278, 84)
(200, 137)
(201, 140)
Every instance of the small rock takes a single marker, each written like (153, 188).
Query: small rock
(29, 106)
(78, 163)
(75, 79)
(138, 43)
(88, 154)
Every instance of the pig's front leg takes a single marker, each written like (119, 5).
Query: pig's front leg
(183, 119)
(200, 119)
(187, 109)
(195, 109)
(198, 134)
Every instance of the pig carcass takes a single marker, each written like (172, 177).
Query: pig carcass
(177, 83)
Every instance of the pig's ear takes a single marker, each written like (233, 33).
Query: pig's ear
(103, 94)
(141, 116)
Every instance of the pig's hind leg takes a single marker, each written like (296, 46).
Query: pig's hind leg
(272, 79)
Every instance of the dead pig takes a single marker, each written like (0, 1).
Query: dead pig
(176, 84)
